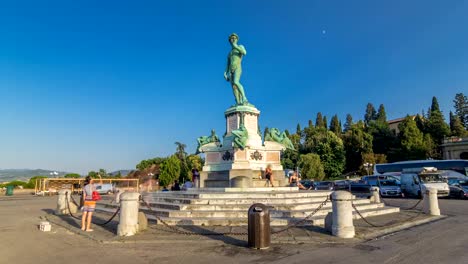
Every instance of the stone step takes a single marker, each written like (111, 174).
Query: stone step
(219, 201)
(238, 195)
(316, 220)
(244, 206)
(243, 212)
(180, 221)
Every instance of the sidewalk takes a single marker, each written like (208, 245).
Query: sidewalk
(161, 234)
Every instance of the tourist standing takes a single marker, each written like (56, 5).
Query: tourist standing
(89, 205)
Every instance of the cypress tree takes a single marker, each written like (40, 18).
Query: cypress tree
(381, 114)
(436, 125)
(461, 108)
(311, 124)
(370, 114)
(298, 129)
(435, 105)
(319, 120)
(348, 123)
(325, 122)
(335, 125)
(456, 126)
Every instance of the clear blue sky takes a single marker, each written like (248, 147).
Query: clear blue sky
(104, 84)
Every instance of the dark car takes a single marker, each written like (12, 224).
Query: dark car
(458, 188)
(342, 185)
(324, 185)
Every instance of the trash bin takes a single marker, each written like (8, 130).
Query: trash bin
(259, 226)
(9, 190)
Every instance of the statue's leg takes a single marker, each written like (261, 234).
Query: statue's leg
(236, 81)
(236, 93)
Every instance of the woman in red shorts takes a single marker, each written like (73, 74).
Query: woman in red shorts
(89, 205)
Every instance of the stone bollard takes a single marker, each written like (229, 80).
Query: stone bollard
(375, 195)
(117, 196)
(342, 214)
(62, 208)
(431, 203)
(128, 224)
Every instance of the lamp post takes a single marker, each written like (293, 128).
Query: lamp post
(368, 166)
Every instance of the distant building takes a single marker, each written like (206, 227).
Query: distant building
(455, 148)
(393, 124)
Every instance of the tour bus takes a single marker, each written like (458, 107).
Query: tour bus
(459, 166)
(415, 181)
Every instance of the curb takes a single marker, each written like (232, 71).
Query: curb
(401, 227)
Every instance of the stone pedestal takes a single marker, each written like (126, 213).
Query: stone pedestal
(225, 163)
(62, 207)
(128, 224)
(342, 215)
(431, 202)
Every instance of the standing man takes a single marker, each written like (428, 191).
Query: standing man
(234, 69)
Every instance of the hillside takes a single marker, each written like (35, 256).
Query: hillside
(7, 175)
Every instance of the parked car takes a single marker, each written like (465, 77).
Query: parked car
(324, 185)
(105, 188)
(458, 188)
(342, 185)
(390, 188)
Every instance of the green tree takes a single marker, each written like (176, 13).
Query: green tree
(169, 170)
(371, 114)
(381, 114)
(461, 108)
(329, 147)
(149, 162)
(298, 129)
(72, 175)
(32, 182)
(319, 120)
(103, 173)
(348, 123)
(412, 140)
(436, 125)
(311, 167)
(325, 122)
(182, 155)
(289, 158)
(420, 123)
(93, 175)
(335, 125)
(382, 137)
(194, 162)
(356, 141)
(456, 126)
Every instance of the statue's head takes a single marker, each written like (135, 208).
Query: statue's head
(233, 38)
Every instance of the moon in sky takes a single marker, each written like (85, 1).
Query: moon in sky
(324, 32)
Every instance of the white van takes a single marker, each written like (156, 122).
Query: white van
(416, 181)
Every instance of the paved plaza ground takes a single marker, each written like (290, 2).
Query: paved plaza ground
(440, 241)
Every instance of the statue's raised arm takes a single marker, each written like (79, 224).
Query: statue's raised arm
(234, 69)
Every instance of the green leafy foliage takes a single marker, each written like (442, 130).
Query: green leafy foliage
(72, 175)
(149, 162)
(356, 141)
(412, 140)
(311, 167)
(461, 108)
(170, 170)
(329, 147)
